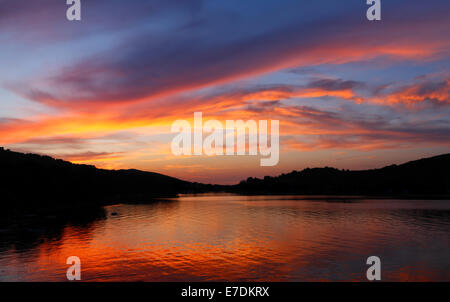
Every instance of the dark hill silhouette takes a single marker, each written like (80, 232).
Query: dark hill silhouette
(26, 178)
(30, 179)
(427, 177)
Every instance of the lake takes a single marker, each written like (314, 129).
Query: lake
(243, 238)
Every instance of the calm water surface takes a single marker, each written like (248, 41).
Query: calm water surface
(241, 238)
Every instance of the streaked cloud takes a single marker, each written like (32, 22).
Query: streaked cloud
(113, 84)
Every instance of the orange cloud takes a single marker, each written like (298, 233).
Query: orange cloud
(435, 91)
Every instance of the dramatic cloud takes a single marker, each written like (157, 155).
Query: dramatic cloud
(108, 88)
(142, 67)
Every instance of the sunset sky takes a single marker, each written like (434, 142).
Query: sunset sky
(348, 93)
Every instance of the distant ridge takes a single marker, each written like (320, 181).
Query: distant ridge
(37, 179)
(426, 177)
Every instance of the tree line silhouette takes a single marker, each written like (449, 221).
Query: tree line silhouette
(428, 177)
(32, 178)
(35, 179)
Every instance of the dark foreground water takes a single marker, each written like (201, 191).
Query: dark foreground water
(240, 238)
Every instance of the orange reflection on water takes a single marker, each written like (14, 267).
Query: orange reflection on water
(237, 238)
